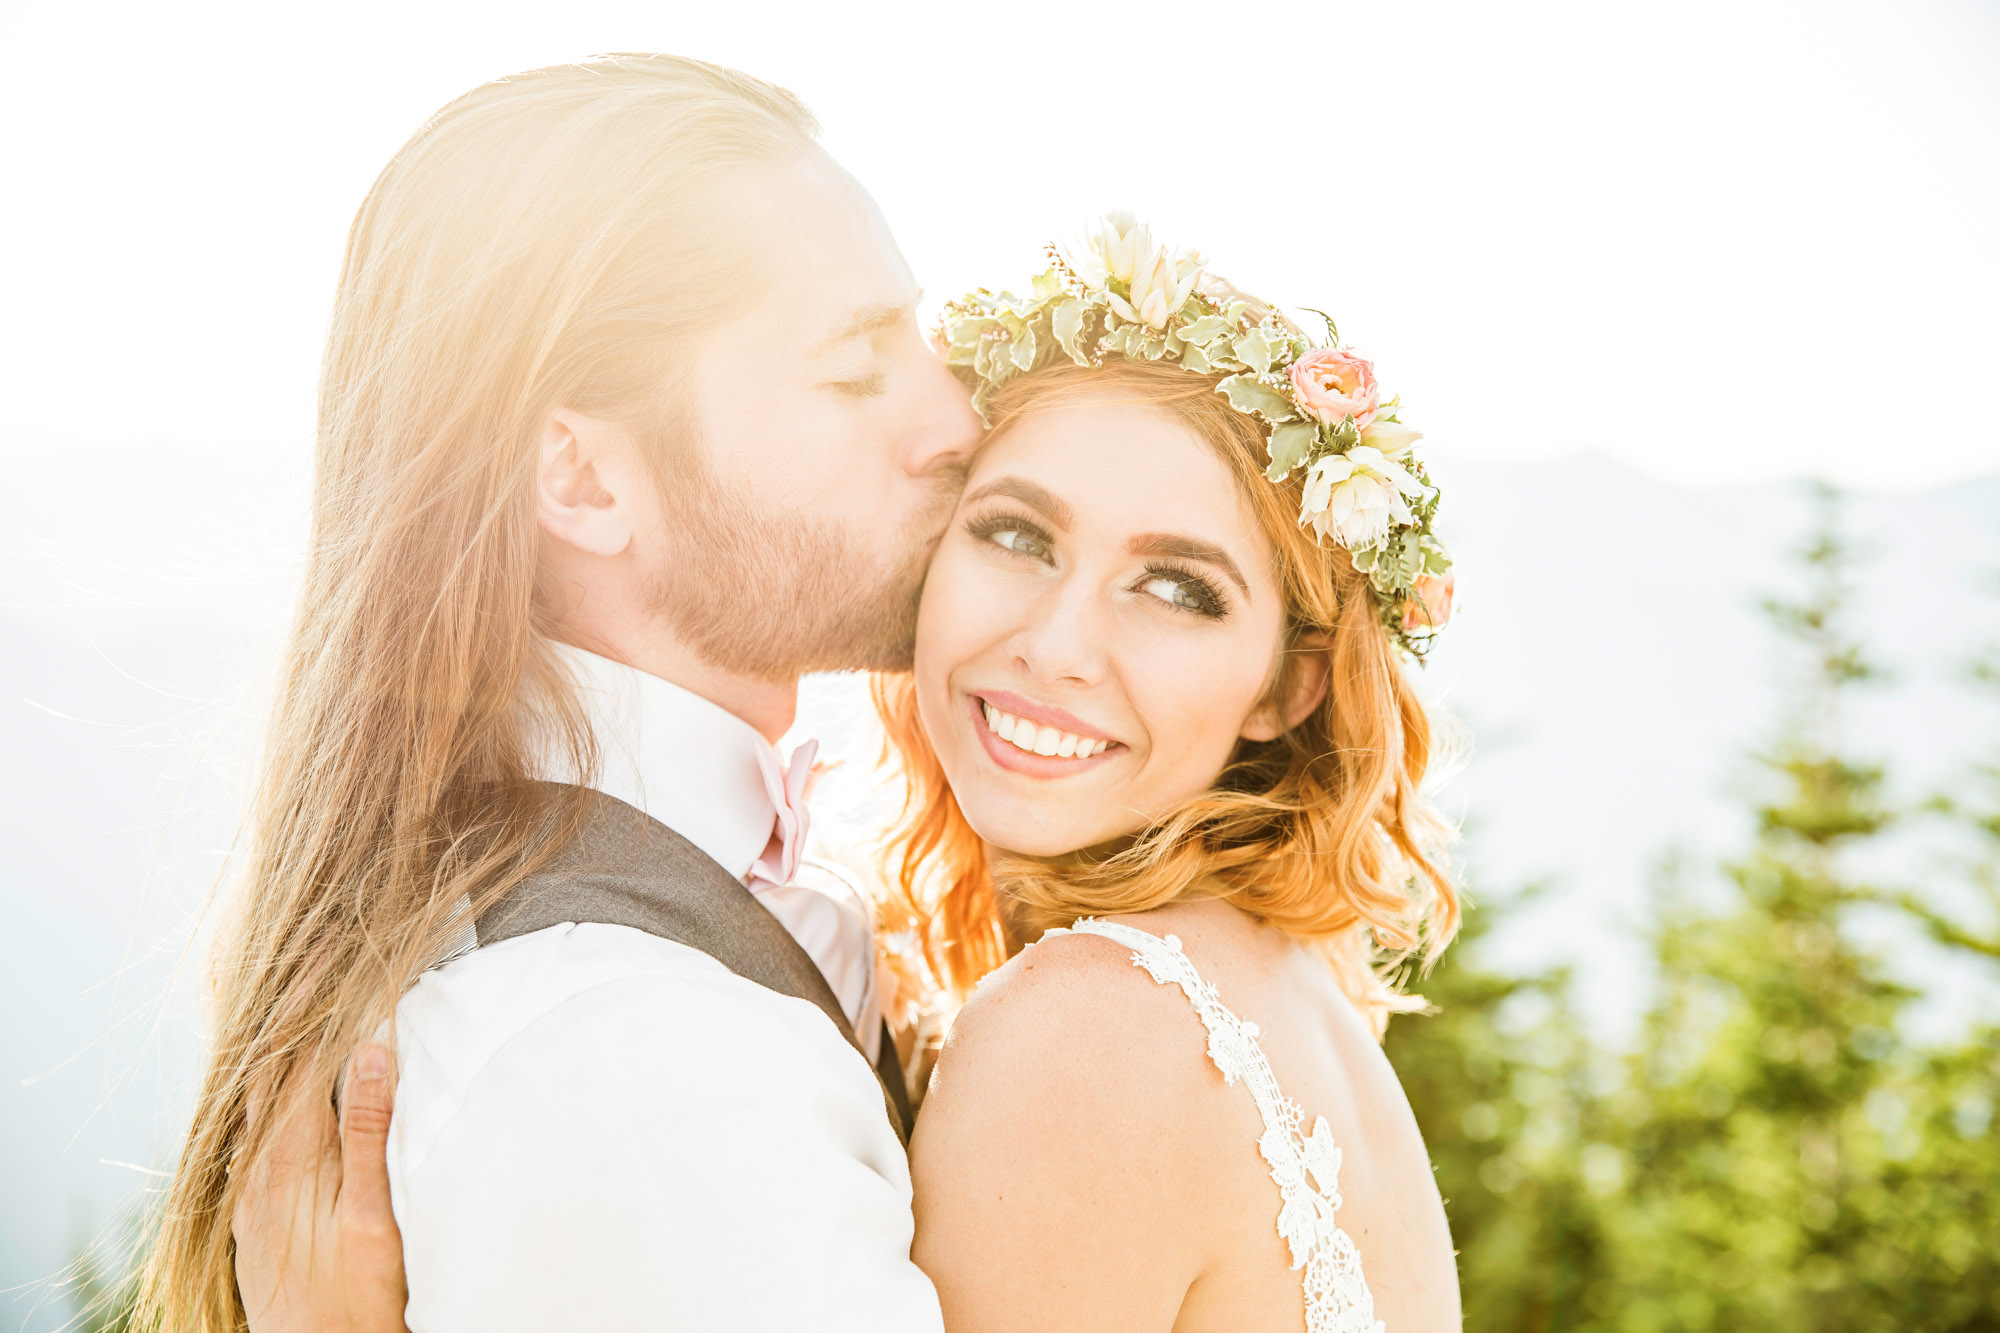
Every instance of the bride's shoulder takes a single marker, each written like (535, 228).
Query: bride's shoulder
(1070, 1025)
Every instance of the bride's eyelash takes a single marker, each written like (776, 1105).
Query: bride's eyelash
(1214, 605)
(986, 528)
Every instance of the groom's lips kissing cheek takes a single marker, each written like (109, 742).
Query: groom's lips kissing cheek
(1036, 740)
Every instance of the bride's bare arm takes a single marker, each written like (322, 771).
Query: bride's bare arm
(1058, 1180)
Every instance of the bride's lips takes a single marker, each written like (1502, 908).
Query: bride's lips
(1016, 760)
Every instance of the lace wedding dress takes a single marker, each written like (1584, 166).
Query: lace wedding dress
(1305, 1166)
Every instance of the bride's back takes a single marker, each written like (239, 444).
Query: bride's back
(1082, 1143)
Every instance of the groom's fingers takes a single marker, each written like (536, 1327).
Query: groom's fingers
(371, 1245)
(286, 1171)
(366, 1102)
(282, 1191)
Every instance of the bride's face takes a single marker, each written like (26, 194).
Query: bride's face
(1099, 627)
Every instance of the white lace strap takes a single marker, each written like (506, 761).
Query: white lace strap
(1305, 1167)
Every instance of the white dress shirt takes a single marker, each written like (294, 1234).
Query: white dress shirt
(596, 1128)
(706, 774)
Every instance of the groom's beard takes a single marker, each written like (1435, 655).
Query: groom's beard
(780, 595)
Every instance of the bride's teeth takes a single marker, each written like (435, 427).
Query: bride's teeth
(1037, 739)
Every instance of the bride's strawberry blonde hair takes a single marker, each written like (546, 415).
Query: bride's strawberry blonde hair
(1323, 832)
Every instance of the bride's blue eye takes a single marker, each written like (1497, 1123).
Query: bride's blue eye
(1013, 536)
(1184, 590)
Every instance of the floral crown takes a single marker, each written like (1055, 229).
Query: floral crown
(1120, 294)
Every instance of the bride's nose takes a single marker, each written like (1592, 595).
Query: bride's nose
(1062, 641)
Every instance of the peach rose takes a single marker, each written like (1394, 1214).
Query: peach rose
(1332, 383)
(1429, 604)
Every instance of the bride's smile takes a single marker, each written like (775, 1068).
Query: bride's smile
(1100, 628)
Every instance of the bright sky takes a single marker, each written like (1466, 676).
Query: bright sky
(1719, 240)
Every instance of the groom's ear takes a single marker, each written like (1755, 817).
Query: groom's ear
(585, 480)
(1302, 688)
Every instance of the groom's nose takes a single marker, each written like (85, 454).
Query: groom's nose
(944, 429)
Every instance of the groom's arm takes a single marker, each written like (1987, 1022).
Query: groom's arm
(657, 1152)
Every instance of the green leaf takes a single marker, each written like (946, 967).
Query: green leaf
(1247, 395)
(1144, 344)
(1024, 349)
(1221, 358)
(1048, 285)
(1205, 330)
(964, 335)
(1195, 359)
(1289, 445)
(1067, 323)
(1346, 435)
(1253, 349)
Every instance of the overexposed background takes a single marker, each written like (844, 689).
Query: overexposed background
(1631, 268)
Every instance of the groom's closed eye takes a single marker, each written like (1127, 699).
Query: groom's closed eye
(870, 386)
(860, 374)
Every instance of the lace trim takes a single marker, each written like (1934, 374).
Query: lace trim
(1305, 1166)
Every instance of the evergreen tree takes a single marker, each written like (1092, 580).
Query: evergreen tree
(1498, 1075)
(1782, 1139)
(1773, 1153)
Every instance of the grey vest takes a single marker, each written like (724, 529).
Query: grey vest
(627, 869)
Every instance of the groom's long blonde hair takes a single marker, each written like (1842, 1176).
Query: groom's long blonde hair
(542, 242)
(1324, 832)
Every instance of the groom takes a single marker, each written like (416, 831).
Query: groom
(640, 1094)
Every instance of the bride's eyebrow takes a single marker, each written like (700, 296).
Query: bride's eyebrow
(1187, 548)
(1039, 498)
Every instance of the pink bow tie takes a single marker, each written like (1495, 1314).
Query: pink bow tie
(787, 790)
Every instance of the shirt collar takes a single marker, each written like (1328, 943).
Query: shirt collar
(689, 763)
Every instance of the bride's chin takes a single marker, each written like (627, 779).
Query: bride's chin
(1005, 836)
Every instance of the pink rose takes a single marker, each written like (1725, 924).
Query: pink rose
(1332, 383)
(1429, 604)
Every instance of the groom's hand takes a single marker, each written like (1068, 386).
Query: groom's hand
(317, 1249)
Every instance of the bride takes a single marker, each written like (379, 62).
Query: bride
(1164, 838)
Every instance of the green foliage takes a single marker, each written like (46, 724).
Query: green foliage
(1500, 1078)
(1773, 1153)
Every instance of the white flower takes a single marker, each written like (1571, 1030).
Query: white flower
(1354, 497)
(1161, 285)
(1393, 438)
(1113, 249)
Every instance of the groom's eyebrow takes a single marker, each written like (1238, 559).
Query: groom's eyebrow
(870, 319)
(1040, 499)
(1187, 548)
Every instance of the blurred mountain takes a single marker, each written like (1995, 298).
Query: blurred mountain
(1608, 662)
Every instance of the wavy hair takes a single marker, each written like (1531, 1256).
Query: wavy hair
(1324, 832)
(544, 241)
